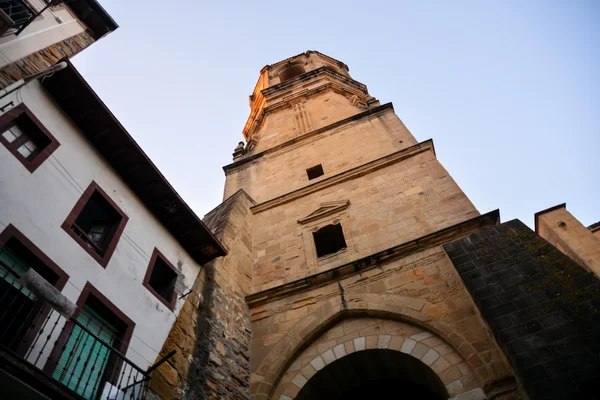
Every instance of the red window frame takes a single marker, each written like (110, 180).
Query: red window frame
(101, 255)
(156, 254)
(9, 118)
(11, 232)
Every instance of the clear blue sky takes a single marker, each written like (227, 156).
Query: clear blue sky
(508, 90)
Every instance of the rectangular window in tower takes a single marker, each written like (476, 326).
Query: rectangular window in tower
(96, 223)
(161, 278)
(26, 138)
(329, 240)
(314, 172)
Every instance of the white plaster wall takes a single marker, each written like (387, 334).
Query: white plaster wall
(41, 33)
(37, 204)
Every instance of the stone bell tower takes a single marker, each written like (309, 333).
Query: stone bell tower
(357, 268)
(350, 285)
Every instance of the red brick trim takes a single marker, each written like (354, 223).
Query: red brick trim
(123, 342)
(170, 303)
(8, 119)
(11, 232)
(68, 224)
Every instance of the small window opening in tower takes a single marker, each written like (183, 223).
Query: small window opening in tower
(329, 239)
(291, 72)
(314, 172)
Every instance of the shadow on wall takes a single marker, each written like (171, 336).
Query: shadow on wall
(198, 373)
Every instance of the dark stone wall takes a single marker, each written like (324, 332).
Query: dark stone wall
(542, 308)
(211, 335)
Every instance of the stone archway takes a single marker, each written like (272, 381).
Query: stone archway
(443, 372)
(268, 372)
(377, 374)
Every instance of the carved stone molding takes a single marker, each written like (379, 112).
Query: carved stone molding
(324, 210)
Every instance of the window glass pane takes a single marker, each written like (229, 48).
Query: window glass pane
(31, 146)
(24, 150)
(8, 135)
(12, 133)
(16, 130)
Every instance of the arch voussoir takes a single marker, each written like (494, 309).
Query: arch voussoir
(424, 345)
(446, 344)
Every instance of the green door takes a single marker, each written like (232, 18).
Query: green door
(82, 363)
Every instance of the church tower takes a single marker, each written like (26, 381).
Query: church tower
(357, 268)
(351, 291)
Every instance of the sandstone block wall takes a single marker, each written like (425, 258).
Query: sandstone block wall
(392, 205)
(347, 146)
(423, 291)
(596, 230)
(542, 307)
(566, 233)
(211, 336)
(302, 116)
(353, 335)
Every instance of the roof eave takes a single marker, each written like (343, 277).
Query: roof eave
(72, 92)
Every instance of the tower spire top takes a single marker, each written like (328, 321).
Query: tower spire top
(285, 82)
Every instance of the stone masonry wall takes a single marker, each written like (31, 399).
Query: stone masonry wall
(43, 59)
(422, 289)
(211, 335)
(317, 111)
(563, 230)
(393, 205)
(542, 307)
(337, 150)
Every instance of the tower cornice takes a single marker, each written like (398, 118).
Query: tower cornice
(353, 173)
(361, 265)
(279, 95)
(275, 89)
(308, 53)
(248, 159)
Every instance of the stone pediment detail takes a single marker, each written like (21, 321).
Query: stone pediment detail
(324, 210)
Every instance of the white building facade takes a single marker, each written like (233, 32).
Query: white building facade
(82, 205)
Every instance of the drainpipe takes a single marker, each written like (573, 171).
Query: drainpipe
(22, 82)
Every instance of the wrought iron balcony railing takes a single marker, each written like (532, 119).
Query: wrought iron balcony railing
(65, 350)
(16, 15)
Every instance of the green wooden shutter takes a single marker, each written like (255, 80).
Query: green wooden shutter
(83, 361)
(11, 269)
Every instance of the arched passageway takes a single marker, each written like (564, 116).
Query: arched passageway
(408, 355)
(375, 374)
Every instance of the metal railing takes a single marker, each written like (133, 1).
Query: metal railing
(65, 349)
(22, 13)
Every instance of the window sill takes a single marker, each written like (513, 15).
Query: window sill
(101, 259)
(169, 305)
(324, 259)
